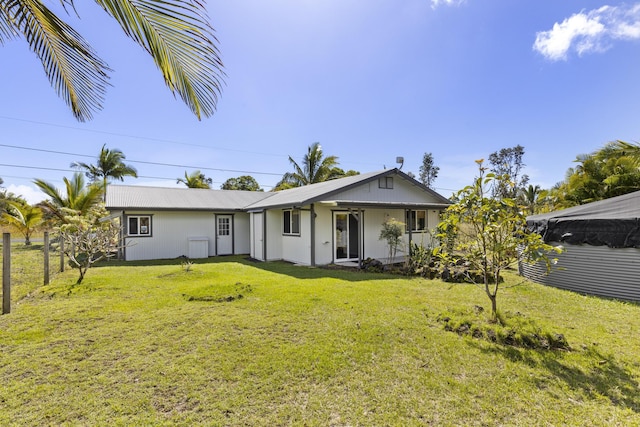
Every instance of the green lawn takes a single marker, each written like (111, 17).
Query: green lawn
(238, 343)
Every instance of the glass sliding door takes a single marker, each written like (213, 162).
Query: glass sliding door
(346, 237)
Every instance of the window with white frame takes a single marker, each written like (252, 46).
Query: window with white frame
(291, 222)
(385, 182)
(139, 225)
(417, 220)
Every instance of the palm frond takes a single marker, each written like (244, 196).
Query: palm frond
(75, 71)
(179, 38)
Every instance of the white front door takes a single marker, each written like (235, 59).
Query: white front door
(346, 237)
(224, 234)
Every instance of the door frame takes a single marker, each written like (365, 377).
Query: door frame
(230, 235)
(350, 245)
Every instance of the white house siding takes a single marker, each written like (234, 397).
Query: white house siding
(171, 231)
(595, 270)
(297, 249)
(402, 192)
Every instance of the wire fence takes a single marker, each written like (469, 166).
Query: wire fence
(25, 268)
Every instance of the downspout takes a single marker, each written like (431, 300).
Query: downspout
(313, 236)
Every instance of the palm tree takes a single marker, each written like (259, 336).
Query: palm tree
(176, 33)
(195, 180)
(109, 165)
(529, 198)
(23, 217)
(315, 168)
(79, 198)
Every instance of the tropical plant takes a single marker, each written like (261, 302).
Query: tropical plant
(531, 198)
(89, 238)
(78, 197)
(22, 217)
(244, 182)
(176, 33)
(611, 171)
(109, 165)
(495, 232)
(195, 179)
(315, 168)
(392, 232)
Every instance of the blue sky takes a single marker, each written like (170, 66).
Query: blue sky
(370, 80)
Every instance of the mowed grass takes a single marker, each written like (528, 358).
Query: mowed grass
(238, 343)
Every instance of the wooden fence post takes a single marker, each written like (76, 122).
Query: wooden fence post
(61, 254)
(6, 273)
(46, 257)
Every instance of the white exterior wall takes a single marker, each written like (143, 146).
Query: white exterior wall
(170, 233)
(402, 192)
(297, 249)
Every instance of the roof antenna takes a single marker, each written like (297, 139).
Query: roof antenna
(400, 161)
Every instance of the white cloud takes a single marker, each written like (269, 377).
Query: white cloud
(588, 32)
(31, 194)
(436, 3)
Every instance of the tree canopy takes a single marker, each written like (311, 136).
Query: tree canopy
(244, 182)
(77, 197)
(109, 165)
(195, 179)
(315, 167)
(610, 171)
(176, 33)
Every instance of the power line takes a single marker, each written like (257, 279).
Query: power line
(142, 161)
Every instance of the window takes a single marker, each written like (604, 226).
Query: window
(139, 225)
(417, 220)
(291, 224)
(385, 182)
(224, 226)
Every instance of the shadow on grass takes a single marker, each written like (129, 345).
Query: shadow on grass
(600, 376)
(277, 267)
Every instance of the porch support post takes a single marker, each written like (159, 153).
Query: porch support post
(360, 238)
(410, 227)
(264, 235)
(312, 220)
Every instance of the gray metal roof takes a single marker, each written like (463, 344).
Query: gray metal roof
(138, 197)
(307, 194)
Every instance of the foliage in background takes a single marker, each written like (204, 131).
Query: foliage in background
(175, 33)
(315, 167)
(89, 238)
(508, 162)
(428, 170)
(78, 197)
(195, 179)
(612, 171)
(392, 231)
(244, 183)
(23, 218)
(109, 165)
(495, 231)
